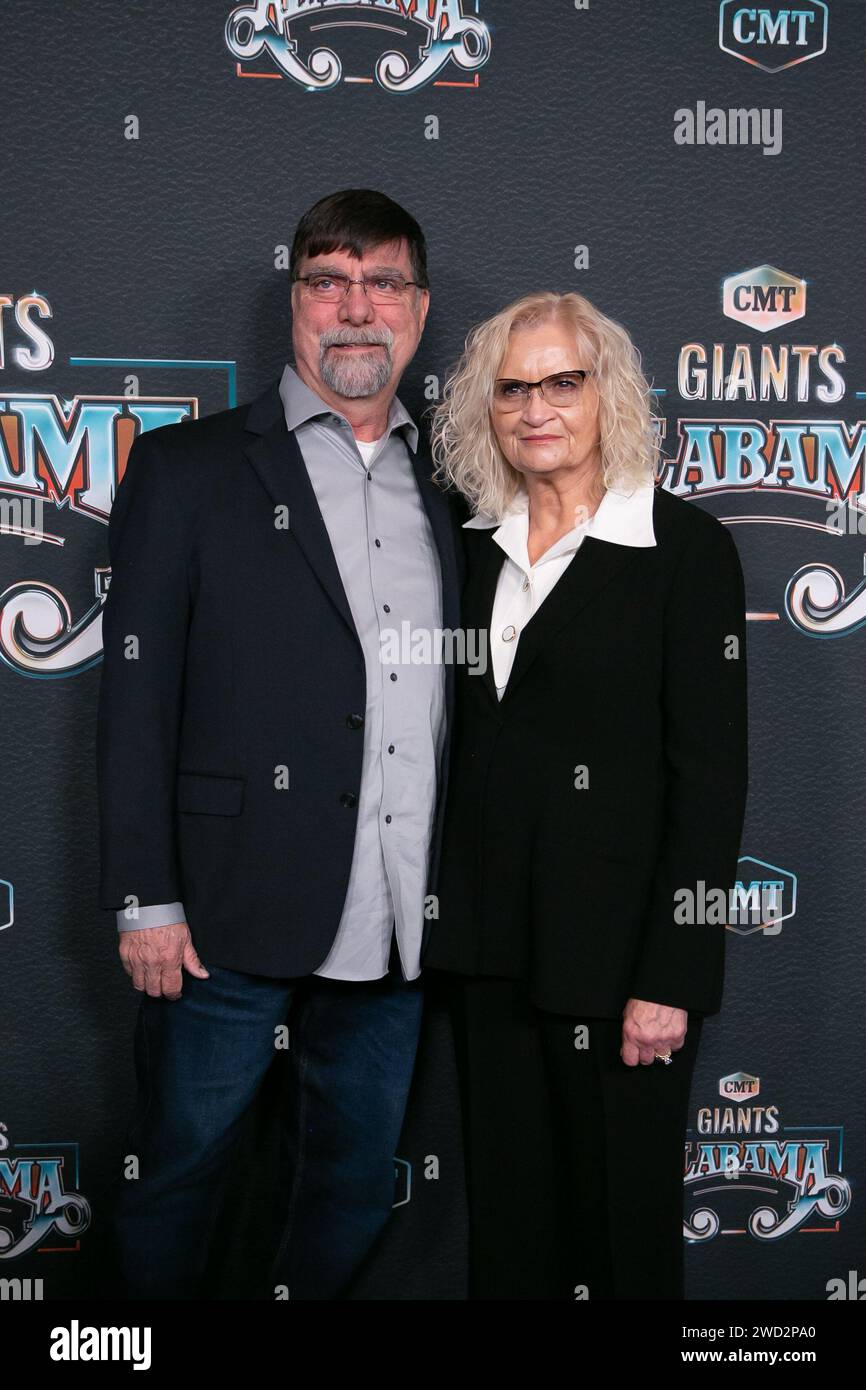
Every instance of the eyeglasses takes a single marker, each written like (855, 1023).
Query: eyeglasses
(331, 287)
(560, 389)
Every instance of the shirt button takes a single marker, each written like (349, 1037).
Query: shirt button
(390, 748)
(387, 607)
(509, 633)
(369, 477)
(354, 721)
(525, 585)
(387, 820)
(378, 543)
(348, 799)
(393, 677)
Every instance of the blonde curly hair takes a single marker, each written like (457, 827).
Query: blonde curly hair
(465, 448)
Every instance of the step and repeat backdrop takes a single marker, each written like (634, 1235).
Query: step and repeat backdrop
(694, 168)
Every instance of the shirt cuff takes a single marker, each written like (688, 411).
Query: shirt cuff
(157, 915)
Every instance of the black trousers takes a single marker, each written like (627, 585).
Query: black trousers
(574, 1161)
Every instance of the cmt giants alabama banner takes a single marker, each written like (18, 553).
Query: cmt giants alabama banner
(777, 465)
(758, 426)
(402, 45)
(749, 1173)
(798, 474)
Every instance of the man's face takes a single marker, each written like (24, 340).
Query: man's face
(352, 347)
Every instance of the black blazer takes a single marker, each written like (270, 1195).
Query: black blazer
(246, 659)
(622, 669)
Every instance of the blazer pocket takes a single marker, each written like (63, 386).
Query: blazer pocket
(209, 794)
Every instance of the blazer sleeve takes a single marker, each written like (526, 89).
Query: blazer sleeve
(144, 627)
(706, 773)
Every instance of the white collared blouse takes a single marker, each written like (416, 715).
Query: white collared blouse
(623, 518)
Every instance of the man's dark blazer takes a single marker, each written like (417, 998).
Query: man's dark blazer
(623, 670)
(230, 653)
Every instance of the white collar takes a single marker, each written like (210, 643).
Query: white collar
(621, 518)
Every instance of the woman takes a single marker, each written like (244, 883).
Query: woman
(598, 787)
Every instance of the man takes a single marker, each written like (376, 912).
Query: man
(270, 790)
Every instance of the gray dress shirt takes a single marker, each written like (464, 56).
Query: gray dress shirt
(389, 566)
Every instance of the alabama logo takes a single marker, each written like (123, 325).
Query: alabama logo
(40, 1208)
(321, 43)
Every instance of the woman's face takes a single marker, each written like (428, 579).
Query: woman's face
(540, 438)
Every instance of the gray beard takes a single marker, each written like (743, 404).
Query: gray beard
(362, 374)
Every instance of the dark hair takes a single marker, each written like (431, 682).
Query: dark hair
(356, 220)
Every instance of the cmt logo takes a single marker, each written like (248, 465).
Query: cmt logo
(739, 1086)
(764, 298)
(773, 37)
(764, 897)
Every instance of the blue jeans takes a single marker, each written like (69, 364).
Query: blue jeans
(199, 1062)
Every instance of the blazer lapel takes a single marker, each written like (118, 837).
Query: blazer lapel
(277, 459)
(275, 455)
(438, 512)
(480, 593)
(591, 568)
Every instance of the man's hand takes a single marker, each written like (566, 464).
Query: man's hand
(154, 956)
(650, 1028)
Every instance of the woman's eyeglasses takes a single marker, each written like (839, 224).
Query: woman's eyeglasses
(561, 389)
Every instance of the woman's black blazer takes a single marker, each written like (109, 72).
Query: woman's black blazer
(612, 775)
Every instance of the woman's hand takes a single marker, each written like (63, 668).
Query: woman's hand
(650, 1028)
